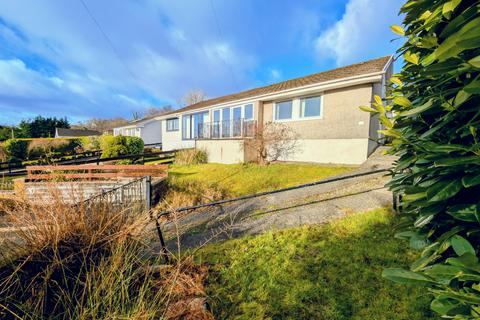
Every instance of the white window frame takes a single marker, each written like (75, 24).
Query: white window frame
(296, 109)
(172, 119)
(311, 117)
(274, 113)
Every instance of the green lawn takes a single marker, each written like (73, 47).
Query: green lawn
(317, 272)
(240, 179)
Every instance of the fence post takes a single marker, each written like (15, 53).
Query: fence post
(148, 192)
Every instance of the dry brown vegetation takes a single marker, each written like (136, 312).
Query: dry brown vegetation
(183, 193)
(78, 262)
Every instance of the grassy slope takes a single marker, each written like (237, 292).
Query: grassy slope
(316, 272)
(240, 179)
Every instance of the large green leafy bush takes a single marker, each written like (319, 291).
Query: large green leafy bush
(16, 150)
(120, 145)
(435, 133)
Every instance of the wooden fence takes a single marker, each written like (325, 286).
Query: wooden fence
(92, 172)
(15, 169)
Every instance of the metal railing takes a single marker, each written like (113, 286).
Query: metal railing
(239, 128)
(135, 194)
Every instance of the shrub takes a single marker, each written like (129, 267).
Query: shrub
(191, 156)
(16, 150)
(436, 100)
(52, 147)
(113, 146)
(3, 154)
(90, 143)
(134, 145)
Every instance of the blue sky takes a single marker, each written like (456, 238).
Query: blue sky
(55, 60)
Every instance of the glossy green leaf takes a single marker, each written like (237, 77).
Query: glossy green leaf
(461, 245)
(405, 276)
(398, 30)
(402, 101)
(418, 109)
(444, 189)
(471, 180)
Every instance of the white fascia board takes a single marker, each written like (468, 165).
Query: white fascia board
(137, 125)
(327, 85)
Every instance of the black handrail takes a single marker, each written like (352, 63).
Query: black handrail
(259, 194)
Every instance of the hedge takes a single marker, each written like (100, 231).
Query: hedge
(435, 132)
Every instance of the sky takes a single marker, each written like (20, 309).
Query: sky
(84, 59)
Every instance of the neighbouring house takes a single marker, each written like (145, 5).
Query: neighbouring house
(75, 133)
(149, 129)
(322, 108)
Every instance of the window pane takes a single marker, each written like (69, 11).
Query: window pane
(236, 124)
(172, 124)
(186, 127)
(248, 111)
(216, 124)
(237, 113)
(283, 110)
(216, 115)
(225, 122)
(311, 107)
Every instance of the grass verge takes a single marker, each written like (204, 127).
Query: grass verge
(202, 183)
(315, 272)
(241, 179)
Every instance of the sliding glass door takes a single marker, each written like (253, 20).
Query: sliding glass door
(237, 121)
(226, 123)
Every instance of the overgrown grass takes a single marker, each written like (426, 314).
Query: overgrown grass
(316, 272)
(241, 179)
(76, 262)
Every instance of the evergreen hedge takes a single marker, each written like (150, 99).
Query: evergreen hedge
(435, 132)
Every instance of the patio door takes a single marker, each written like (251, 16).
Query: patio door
(237, 122)
(226, 123)
(216, 124)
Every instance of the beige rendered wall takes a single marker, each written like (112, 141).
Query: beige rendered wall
(223, 151)
(342, 119)
(335, 151)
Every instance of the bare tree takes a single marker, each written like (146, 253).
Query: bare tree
(272, 142)
(156, 111)
(192, 97)
(151, 112)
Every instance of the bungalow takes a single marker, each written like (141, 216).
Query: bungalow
(149, 129)
(321, 108)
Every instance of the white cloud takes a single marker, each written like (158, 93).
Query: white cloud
(17, 80)
(362, 33)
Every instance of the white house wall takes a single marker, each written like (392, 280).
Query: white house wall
(330, 151)
(151, 132)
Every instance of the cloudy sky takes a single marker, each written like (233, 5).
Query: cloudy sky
(89, 58)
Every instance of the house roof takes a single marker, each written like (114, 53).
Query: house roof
(358, 69)
(63, 132)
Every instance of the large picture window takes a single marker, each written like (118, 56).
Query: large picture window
(310, 107)
(248, 112)
(283, 110)
(172, 124)
(193, 125)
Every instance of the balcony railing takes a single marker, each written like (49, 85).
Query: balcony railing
(240, 128)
